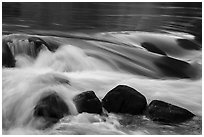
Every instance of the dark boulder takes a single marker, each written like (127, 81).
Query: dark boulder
(152, 48)
(167, 113)
(8, 59)
(188, 44)
(51, 108)
(88, 102)
(124, 99)
(172, 67)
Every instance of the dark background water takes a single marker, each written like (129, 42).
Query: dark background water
(103, 16)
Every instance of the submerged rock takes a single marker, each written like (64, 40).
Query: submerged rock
(88, 102)
(37, 41)
(188, 44)
(124, 99)
(167, 113)
(8, 59)
(176, 68)
(152, 48)
(52, 46)
(51, 108)
(38, 44)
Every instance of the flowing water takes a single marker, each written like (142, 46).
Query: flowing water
(93, 52)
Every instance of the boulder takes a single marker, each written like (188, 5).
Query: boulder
(176, 68)
(124, 99)
(167, 113)
(8, 59)
(51, 108)
(152, 48)
(188, 44)
(88, 102)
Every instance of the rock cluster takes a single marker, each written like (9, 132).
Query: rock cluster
(121, 99)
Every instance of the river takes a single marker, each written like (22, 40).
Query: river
(99, 46)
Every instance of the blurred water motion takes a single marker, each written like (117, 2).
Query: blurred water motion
(97, 16)
(70, 48)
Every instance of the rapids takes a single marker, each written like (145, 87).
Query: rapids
(99, 62)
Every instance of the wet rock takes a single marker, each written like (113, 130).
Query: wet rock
(152, 48)
(8, 59)
(124, 99)
(88, 102)
(23, 46)
(39, 42)
(188, 44)
(167, 113)
(176, 68)
(51, 108)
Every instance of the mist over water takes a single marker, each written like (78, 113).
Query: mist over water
(99, 61)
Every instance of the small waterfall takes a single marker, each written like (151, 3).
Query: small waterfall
(24, 47)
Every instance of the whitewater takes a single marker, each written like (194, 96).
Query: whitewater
(78, 62)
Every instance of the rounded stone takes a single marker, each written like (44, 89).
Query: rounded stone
(167, 113)
(88, 102)
(124, 99)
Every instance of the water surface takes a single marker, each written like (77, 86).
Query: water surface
(152, 47)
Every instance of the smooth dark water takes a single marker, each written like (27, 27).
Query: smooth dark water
(101, 16)
(153, 47)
